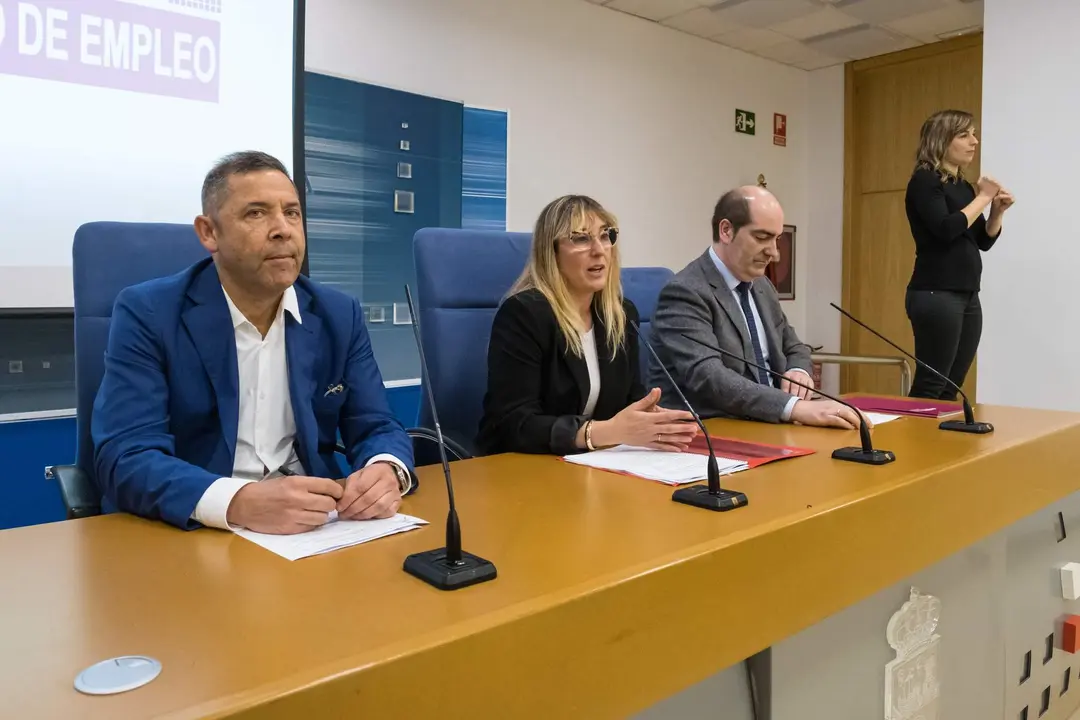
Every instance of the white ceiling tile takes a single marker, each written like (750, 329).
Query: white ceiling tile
(928, 26)
(796, 53)
(817, 65)
(861, 42)
(751, 39)
(702, 22)
(823, 21)
(811, 34)
(654, 9)
(763, 13)
(877, 12)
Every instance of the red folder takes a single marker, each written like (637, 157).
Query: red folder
(904, 406)
(753, 454)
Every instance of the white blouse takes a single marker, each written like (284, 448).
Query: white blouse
(592, 362)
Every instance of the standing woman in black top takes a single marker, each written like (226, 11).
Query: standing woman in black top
(946, 216)
(563, 370)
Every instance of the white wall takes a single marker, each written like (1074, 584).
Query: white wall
(1030, 303)
(825, 208)
(637, 115)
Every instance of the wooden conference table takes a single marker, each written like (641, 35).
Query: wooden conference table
(610, 597)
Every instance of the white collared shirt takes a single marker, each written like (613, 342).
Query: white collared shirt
(732, 283)
(266, 428)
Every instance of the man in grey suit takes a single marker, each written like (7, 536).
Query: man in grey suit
(722, 299)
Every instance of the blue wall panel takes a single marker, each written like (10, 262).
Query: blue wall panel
(364, 145)
(483, 204)
(359, 239)
(26, 498)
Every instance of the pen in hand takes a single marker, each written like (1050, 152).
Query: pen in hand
(333, 514)
(286, 472)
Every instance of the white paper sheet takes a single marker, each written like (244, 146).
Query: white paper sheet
(880, 418)
(666, 467)
(332, 536)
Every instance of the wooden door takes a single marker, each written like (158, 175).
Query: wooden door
(887, 99)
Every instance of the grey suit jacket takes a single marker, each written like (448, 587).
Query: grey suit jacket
(698, 303)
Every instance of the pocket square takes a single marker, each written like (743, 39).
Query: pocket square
(334, 390)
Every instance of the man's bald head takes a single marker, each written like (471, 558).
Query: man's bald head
(745, 224)
(737, 207)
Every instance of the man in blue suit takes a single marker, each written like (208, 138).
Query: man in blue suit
(226, 385)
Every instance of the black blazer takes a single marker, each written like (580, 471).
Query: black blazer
(537, 389)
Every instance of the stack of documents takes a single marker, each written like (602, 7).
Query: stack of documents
(666, 467)
(332, 536)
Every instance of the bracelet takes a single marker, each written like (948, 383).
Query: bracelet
(588, 435)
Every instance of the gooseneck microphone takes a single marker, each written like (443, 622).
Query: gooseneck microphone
(447, 568)
(711, 496)
(968, 424)
(865, 454)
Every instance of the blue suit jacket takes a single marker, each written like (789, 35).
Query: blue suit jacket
(165, 418)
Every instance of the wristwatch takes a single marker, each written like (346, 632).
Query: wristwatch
(404, 481)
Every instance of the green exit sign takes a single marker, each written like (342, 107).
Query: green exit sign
(744, 122)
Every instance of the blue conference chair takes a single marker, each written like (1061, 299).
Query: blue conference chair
(462, 276)
(642, 287)
(106, 258)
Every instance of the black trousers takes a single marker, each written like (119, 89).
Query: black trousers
(947, 326)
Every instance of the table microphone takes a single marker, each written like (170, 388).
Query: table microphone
(447, 568)
(710, 497)
(865, 454)
(968, 424)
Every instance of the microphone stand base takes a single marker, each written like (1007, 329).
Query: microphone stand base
(433, 568)
(975, 428)
(700, 497)
(857, 454)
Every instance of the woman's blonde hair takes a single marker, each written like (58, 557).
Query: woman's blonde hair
(937, 133)
(566, 215)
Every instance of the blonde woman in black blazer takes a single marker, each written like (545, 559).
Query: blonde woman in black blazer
(563, 372)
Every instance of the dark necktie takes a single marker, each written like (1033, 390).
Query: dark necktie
(748, 313)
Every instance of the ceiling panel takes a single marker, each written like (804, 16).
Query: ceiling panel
(798, 54)
(860, 41)
(702, 22)
(654, 9)
(751, 39)
(822, 21)
(810, 34)
(882, 11)
(930, 27)
(763, 13)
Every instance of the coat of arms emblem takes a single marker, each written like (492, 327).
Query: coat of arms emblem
(912, 686)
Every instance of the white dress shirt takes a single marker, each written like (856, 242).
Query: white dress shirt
(732, 283)
(266, 428)
(592, 362)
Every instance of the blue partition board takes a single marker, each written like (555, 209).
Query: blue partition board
(483, 185)
(381, 164)
(26, 497)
